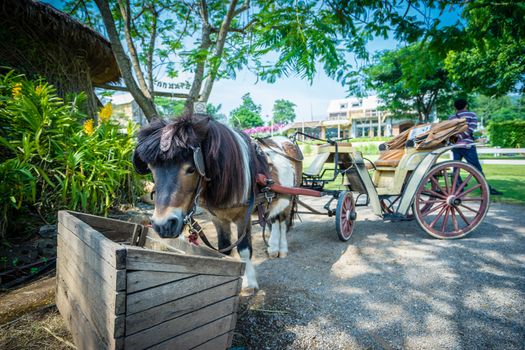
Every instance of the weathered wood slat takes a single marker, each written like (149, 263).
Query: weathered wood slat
(149, 298)
(91, 301)
(88, 277)
(81, 330)
(84, 255)
(151, 317)
(115, 230)
(197, 336)
(140, 280)
(142, 259)
(112, 252)
(177, 326)
(84, 334)
(221, 342)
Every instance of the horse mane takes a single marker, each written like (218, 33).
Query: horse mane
(163, 141)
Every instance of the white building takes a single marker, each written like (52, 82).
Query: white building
(354, 117)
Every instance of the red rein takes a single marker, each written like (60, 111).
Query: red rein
(262, 180)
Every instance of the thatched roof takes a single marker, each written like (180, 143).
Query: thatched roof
(46, 27)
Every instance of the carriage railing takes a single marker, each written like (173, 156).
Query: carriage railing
(317, 180)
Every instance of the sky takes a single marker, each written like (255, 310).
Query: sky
(311, 99)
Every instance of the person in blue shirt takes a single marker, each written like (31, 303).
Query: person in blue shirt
(467, 138)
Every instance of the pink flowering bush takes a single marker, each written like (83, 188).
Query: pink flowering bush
(263, 130)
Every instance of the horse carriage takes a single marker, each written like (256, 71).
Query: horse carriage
(449, 199)
(196, 161)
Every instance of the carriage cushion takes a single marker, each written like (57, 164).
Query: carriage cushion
(390, 158)
(317, 165)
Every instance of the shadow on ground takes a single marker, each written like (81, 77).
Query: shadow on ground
(391, 287)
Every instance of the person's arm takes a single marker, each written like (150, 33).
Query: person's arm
(472, 122)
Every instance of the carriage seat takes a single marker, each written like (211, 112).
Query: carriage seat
(317, 165)
(390, 158)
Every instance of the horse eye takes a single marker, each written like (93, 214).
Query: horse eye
(190, 170)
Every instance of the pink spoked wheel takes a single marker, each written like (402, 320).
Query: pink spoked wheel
(452, 200)
(345, 216)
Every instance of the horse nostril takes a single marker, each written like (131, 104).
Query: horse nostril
(173, 225)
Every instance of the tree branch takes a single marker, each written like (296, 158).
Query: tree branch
(219, 48)
(245, 6)
(125, 11)
(145, 103)
(151, 47)
(199, 70)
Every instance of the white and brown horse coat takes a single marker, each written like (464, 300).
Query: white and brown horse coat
(285, 163)
(231, 164)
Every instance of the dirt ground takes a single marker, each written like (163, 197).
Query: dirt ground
(390, 287)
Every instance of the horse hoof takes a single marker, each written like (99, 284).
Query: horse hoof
(273, 255)
(283, 255)
(248, 292)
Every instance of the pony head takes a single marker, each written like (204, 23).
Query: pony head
(166, 149)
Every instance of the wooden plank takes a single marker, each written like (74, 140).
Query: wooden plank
(144, 259)
(113, 229)
(220, 342)
(113, 253)
(107, 324)
(140, 280)
(83, 254)
(149, 318)
(87, 278)
(197, 336)
(83, 332)
(149, 298)
(179, 325)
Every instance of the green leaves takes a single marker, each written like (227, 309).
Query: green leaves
(247, 115)
(46, 159)
(283, 111)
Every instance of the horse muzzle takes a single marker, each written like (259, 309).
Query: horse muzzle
(169, 227)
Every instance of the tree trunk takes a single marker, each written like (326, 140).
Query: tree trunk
(125, 10)
(123, 61)
(219, 48)
(199, 71)
(151, 48)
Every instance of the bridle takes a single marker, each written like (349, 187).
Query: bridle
(193, 226)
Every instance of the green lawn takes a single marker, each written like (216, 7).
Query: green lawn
(509, 179)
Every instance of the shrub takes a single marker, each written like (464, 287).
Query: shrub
(49, 160)
(509, 134)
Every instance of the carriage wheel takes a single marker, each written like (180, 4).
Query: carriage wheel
(452, 200)
(345, 215)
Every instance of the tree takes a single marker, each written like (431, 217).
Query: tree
(497, 109)
(213, 39)
(283, 111)
(490, 57)
(410, 79)
(247, 115)
(214, 112)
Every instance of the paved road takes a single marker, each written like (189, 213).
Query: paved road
(391, 287)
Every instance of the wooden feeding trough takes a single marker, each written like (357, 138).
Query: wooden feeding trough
(161, 294)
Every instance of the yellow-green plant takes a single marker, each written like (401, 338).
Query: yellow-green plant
(47, 159)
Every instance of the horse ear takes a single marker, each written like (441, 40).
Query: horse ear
(141, 167)
(201, 125)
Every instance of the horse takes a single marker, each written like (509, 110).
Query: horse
(197, 160)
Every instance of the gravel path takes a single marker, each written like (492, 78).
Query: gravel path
(390, 287)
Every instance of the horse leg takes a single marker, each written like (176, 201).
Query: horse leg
(285, 223)
(249, 282)
(278, 228)
(223, 228)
